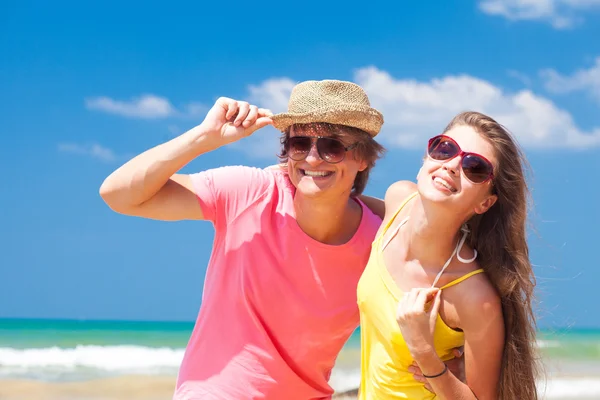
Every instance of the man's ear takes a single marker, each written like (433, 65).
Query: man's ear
(362, 165)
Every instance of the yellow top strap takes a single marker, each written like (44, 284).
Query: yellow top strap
(389, 223)
(462, 278)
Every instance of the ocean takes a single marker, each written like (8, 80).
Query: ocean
(66, 351)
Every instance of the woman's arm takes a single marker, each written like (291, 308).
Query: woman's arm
(480, 315)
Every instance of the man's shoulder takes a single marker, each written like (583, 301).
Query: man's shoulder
(369, 224)
(240, 185)
(245, 174)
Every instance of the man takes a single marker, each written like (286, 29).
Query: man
(279, 299)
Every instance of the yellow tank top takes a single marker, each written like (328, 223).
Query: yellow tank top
(385, 357)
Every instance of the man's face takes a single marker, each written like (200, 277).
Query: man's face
(314, 176)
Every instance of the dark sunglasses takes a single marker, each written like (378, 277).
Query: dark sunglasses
(476, 167)
(330, 150)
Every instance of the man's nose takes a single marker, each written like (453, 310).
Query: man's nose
(313, 156)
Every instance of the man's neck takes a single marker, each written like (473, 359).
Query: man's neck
(328, 221)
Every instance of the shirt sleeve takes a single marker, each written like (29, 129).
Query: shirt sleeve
(223, 193)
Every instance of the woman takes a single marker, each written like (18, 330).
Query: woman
(450, 267)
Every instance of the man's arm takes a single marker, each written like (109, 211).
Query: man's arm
(148, 185)
(377, 206)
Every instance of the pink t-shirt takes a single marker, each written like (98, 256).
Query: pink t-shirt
(277, 305)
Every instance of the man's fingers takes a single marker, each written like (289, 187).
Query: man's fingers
(428, 387)
(243, 110)
(458, 352)
(420, 378)
(414, 369)
(264, 112)
(251, 118)
(232, 109)
(261, 123)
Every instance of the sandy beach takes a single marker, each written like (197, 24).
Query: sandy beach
(72, 360)
(140, 387)
(132, 387)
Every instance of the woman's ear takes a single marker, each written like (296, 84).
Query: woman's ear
(419, 173)
(486, 204)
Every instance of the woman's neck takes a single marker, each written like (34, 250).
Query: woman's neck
(432, 233)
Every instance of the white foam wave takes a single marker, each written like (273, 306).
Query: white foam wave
(108, 358)
(547, 343)
(56, 363)
(554, 389)
(571, 388)
(344, 379)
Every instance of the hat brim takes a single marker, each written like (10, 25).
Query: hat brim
(366, 118)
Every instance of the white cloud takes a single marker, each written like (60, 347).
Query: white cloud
(521, 77)
(272, 93)
(145, 106)
(195, 109)
(414, 111)
(263, 144)
(92, 150)
(174, 130)
(587, 80)
(561, 14)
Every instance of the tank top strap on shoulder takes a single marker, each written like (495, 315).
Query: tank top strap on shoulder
(462, 278)
(391, 221)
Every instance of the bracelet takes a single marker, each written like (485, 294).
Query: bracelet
(440, 374)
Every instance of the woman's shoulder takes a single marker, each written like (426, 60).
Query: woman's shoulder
(475, 296)
(397, 193)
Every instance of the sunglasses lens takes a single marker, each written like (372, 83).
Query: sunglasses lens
(441, 148)
(298, 147)
(331, 150)
(476, 168)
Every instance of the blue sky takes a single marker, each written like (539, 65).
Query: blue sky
(84, 87)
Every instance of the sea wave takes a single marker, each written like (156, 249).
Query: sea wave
(90, 361)
(80, 362)
(552, 389)
(570, 388)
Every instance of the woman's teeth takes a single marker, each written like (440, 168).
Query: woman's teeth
(445, 184)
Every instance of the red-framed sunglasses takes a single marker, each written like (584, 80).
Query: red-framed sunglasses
(476, 167)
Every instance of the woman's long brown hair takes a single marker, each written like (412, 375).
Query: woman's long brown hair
(499, 235)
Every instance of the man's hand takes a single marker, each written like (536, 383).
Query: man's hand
(230, 120)
(455, 365)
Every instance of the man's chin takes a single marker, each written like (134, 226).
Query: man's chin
(312, 189)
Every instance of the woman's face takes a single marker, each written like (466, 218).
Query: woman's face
(446, 182)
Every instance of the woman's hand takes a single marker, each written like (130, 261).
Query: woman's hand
(455, 365)
(416, 316)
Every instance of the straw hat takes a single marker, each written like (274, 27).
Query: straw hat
(331, 101)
